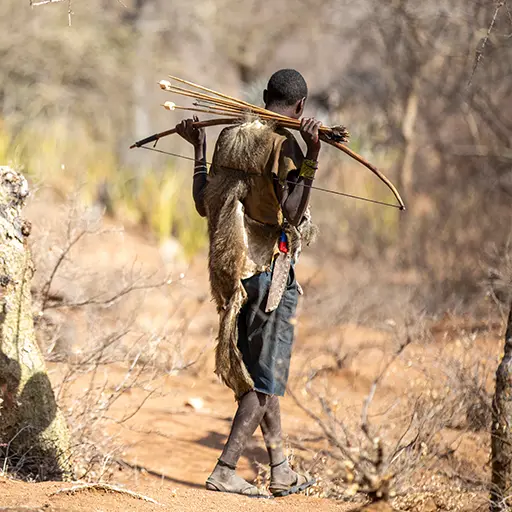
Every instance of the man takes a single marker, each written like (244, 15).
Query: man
(256, 198)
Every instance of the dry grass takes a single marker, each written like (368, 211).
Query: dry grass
(74, 165)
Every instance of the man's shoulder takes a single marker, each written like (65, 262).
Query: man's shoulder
(225, 132)
(289, 147)
(285, 135)
(288, 141)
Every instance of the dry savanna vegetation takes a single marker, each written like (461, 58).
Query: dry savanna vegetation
(401, 326)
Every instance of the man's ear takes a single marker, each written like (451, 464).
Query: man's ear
(300, 106)
(265, 96)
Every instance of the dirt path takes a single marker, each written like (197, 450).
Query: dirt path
(42, 497)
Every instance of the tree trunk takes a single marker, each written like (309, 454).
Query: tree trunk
(406, 170)
(501, 439)
(34, 439)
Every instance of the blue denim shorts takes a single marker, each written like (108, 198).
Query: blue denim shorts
(265, 339)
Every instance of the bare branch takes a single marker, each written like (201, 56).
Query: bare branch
(96, 301)
(44, 2)
(46, 288)
(509, 14)
(480, 51)
(70, 12)
(375, 383)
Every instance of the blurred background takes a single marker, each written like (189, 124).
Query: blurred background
(400, 75)
(121, 287)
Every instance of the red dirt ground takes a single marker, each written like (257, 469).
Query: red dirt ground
(41, 496)
(169, 447)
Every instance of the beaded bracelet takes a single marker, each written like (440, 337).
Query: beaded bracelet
(200, 166)
(308, 169)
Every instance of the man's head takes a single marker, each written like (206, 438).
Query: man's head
(286, 93)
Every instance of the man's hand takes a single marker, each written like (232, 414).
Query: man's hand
(309, 130)
(186, 129)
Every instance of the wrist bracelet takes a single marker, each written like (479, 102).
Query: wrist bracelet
(202, 169)
(308, 169)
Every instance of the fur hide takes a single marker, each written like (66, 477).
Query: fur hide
(249, 147)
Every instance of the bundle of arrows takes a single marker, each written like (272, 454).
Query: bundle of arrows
(232, 111)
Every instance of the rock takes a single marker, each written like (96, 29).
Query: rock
(196, 403)
(172, 252)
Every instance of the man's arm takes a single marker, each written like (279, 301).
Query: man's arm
(295, 192)
(196, 137)
(199, 179)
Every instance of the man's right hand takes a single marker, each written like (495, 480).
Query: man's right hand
(187, 130)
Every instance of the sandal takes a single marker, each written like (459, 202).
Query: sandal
(302, 482)
(251, 491)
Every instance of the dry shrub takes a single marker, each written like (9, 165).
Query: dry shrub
(92, 325)
(499, 277)
(357, 457)
(469, 391)
(69, 163)
(399, 444)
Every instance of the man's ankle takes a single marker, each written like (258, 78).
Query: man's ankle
(224, 468)
(281, 463)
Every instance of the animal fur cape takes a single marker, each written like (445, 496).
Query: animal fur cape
(241, 159)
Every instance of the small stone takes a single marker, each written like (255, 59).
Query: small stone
(196, 403)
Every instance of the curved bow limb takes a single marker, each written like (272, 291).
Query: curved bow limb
(369, 166)
(199, 124)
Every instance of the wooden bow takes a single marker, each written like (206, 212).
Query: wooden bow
(233, 111)
(369, 166)
(227, 121)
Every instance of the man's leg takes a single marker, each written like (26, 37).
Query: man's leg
(280, 471)
(248, 416)
(283, 480)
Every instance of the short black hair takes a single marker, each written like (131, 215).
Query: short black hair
(286, 87)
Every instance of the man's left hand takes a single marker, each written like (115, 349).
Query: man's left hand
(309, 130)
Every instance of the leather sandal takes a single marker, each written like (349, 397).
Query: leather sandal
(249, 490)
(302, 482)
